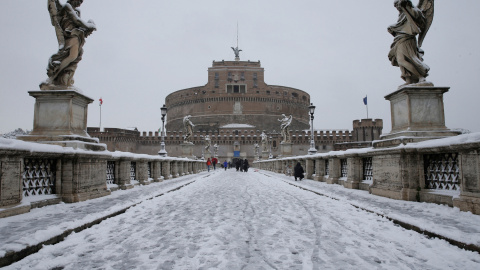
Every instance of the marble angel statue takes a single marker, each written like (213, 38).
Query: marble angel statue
(405, 51)
(71, 33)
(286, 121)
(188, 129)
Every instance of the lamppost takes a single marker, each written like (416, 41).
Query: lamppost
(270, 156)
(162, 151)
(312, 149)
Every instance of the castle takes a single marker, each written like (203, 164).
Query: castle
(233, 108)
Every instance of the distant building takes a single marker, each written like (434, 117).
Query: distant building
(234, 108)
(236, 93)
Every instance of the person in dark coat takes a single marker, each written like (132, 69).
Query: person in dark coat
(298, 171)
(237, 164)
(245, 165)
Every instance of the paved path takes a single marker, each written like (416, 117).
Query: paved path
(234, 220)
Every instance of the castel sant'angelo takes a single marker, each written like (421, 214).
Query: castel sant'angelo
(233, 108)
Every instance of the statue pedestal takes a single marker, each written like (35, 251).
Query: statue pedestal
(417, 115)
(60, 118)
(207, 155)
(187, 150)
(265, 155)
(286, 149)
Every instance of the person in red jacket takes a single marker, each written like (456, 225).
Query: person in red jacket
(208, 164)
(214, 163)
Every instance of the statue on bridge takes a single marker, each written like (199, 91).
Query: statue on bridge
(208, 142)
(405, 51)
(264, 141)
(71, 33)
(188, 129)
(256, 147)
(284, 126)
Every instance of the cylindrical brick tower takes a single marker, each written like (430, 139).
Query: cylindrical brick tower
(236, 93)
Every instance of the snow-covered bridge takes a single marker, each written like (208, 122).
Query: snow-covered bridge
(236, 220)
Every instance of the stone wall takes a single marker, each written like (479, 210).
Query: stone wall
(225, 138)
(31, 169)
(258, 104)
(444, 171)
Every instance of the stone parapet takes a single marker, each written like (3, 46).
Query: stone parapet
(74, 175)
(444, 171)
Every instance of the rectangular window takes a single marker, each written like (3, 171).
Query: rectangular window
(236, 88)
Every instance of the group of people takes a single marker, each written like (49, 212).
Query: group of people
(242, 165)
(212, 162)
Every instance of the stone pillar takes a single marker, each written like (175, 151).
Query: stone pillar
(319, 169)
(397, 174)
(469, 199)
(83, 178)
(175, 173)
(309, 168)
(355, 172)
(142, 171)
(334, 170)
(60, 118)
(11, 182)
(181, 168)
(194, 167)
(279, 167)
(157, 171)
(417, 115)
(166, 171)
(122, 173)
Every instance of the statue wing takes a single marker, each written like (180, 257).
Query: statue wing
(427, 7)
(53, 8)
(290, 120)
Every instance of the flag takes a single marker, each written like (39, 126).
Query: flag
(365, 100)
(101, 101)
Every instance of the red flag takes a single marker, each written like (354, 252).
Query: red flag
(101, 101)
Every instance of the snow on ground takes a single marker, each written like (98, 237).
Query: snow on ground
(235, 220)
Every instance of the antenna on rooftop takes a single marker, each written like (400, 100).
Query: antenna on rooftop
(237, 50)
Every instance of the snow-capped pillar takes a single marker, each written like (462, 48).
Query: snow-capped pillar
(319, 169)
(354, 167)
(335, 170)
(469, 199)
(123, 173)
(11, 181)
(279, 167)
(194, 167)
(181, 168)
(166, 169)
(309, 168)
(142, 171)
(156, 171)
(174, 165)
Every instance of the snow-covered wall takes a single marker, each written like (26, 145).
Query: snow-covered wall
(443, 171)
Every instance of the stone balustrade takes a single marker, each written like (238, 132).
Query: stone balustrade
(73, 175)
(444, 171)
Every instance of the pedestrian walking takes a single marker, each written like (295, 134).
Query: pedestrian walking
(214, 162)
(209, 162)
(225, 165)
(245, 165)
(237, 164)
(298, 171)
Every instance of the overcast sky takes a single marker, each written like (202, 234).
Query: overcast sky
(146, 49)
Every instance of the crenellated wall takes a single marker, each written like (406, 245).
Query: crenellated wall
(225, 138)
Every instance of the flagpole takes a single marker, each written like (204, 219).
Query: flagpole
(101, 101)
(367, 110)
